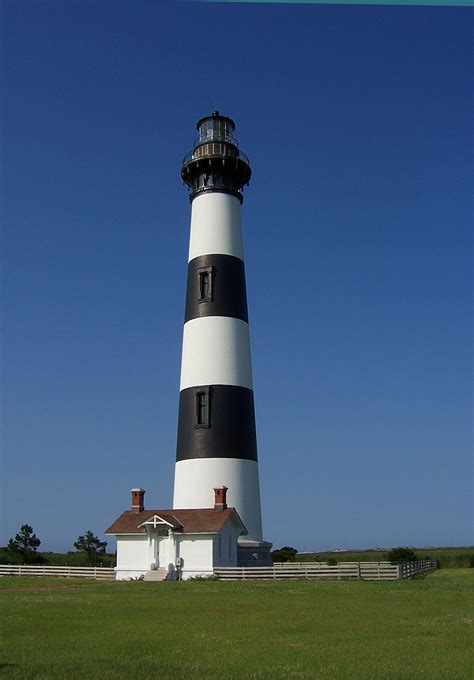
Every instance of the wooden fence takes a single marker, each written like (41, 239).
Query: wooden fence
(412, 569)
(100, 573)
(367, 571)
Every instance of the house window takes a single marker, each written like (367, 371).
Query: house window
(205, 284)
(219, 546)
(202, 407)
(230, 547)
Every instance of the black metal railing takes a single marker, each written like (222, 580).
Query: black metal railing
(215, 149)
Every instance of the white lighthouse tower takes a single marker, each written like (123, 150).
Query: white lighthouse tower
(217, 444)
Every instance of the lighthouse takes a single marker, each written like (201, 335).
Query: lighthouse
(216, 443)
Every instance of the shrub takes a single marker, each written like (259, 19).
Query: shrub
(286, 554)
(402, 555)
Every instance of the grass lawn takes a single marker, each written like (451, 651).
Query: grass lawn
(347, 630)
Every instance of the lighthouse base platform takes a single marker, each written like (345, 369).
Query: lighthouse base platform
(254, 553)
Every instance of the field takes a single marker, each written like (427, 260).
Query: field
(58, 628)
(448, 557)
(72, 559)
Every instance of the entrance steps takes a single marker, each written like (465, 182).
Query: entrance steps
(160, 574)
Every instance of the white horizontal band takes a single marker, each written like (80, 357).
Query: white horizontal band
(195, 480)
(216, 351)
(215, 226)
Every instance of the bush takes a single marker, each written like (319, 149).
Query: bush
(331, 561)
(402, 555)
(285, 554)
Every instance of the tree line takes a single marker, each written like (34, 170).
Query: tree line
(400, 554)
(25, 546)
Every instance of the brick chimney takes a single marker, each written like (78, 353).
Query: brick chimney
(138, 504)
(220, 499)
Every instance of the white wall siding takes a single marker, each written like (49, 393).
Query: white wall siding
(215, 226)
(195, 551)
(216, 351)
(129, 574)
(195, 479)
(133, 554)
(228, 536)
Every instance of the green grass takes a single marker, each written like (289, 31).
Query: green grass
(342, 630)
(449, 558)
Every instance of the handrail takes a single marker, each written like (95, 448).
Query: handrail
(218, 150)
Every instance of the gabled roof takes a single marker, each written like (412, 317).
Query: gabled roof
(192, 521)
(164, 521)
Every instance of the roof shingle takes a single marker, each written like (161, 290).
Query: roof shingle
(192, 521)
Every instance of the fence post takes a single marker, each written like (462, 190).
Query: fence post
(378, 571)
(359, 571)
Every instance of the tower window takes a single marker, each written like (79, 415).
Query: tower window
(202, 408)
(205, 284)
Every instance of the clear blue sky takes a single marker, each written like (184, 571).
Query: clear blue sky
(357, 121)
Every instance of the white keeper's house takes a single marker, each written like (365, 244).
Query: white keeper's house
(171, 544)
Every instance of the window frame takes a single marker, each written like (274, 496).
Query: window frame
(202, 391)
(210, 272)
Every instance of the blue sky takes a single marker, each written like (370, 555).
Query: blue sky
(357, 121)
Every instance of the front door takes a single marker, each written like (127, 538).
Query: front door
(161, 556)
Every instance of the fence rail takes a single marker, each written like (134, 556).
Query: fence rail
(99, 573)
(367, 571)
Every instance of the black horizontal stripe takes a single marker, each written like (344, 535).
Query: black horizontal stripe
(228, 294)
(230, 432)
